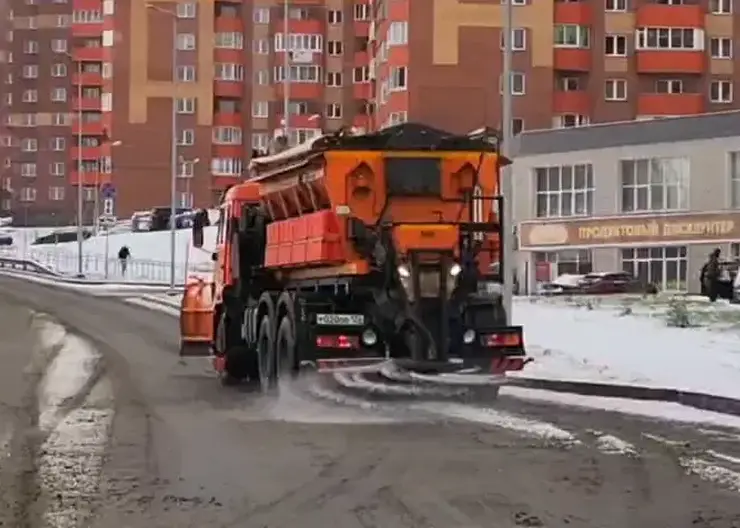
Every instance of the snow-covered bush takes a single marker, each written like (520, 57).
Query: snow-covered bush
(678, 313)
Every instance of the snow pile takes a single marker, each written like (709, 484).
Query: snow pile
(596, 346)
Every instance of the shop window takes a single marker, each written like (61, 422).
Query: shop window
(665, 267)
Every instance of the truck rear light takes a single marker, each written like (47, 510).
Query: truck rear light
(502, 340)
(337, 341)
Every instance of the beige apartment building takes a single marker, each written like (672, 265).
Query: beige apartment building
(649, 197)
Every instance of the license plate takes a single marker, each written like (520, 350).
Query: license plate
(340, 319)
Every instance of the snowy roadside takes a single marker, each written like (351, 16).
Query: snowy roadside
(577, 344)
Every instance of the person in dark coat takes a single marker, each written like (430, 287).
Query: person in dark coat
(710, 275)
(123, 255)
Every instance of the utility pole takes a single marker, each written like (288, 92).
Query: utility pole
(507, 180)
(286, 76)
(80, 177)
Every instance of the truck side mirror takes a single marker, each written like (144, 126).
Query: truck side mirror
(197, 234)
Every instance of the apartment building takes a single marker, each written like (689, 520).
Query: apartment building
(653, 198)
(99, 89)
(574, 62)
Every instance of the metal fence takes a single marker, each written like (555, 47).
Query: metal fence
(99, 267)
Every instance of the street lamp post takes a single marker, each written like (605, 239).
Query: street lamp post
(506, 178)
(173, 146)
(286, 76)
(80, 189)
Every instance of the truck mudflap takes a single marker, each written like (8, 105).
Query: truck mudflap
(196, 319)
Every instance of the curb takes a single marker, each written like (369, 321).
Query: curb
(705, 402)
(59, 280)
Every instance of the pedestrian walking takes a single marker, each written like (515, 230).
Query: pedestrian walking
(124, 254)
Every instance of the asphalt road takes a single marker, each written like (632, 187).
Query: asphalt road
(183, 451)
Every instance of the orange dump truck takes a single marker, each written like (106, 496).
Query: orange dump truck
(354, 249)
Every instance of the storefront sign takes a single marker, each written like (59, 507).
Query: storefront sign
(625, 230)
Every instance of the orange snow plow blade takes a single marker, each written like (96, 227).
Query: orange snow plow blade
(196, 319)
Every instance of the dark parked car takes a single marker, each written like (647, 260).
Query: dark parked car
(610, 282)
(161, 218)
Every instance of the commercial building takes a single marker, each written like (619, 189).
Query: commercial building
(92, 85)
(653, 198)
(574, 62)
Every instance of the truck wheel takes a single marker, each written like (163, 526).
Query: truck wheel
(285, 349)
(236, 356)
(266, 354)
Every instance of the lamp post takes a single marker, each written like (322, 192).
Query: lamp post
(507, 183)
(193, 163)
(173, 145)
(80, 237)
(286, 67)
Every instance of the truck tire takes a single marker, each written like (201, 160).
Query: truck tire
(285, 349)
(237, 360)
(266, 354)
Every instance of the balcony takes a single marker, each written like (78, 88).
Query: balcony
(662, 16)
(295, 27)
(87, 104)
(89, 179)
(226, 119)
(664, 104)
(87, 30)
(671, 61)
(89, 54)
(230, 89)
(571, 102)
(88, 153)
(572, 59)
(577, 13)
(301, 90)
(87, 79)
(95, 128)
(226, 24)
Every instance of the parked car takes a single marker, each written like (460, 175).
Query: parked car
(610, 282)
(141, 221)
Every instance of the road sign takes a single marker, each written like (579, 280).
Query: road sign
(108, 207)
(108, 191)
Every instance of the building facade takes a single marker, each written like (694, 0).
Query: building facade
(574, 62)
(97, 89)
(653, 198)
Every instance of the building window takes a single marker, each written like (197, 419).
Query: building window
(570, 120)
(260, 109)
(59, 95)
(230, 40)
(334, 79)
(226, 135)
(572, 36)
(666, 267)
(334, 111)
(30, 96)
(185, 41)
(397, 79)
(27, 194)
(261, 15)
(670, 38)
(720, 92)
(615, 46)
(518, 39)
(58, 144)
(564, 191)
(734, 166)
(361, 74)
(56, 194)
(668, 86)
(261, 46)
(186, 137)
(518, 83)
(721, 48)
(229, 72)
(720, 7)
(334, 16)
(59, 45)
(334, 48)
(615, 90)
(59, 70)
(28, 170)
(29, 145)
(657, 184)
(300, 74)
(616, 5)
(397, 34)
(186, 73)
(362, 11)
(186, 105)
(570, 261)
(186, 10)
(309, 42)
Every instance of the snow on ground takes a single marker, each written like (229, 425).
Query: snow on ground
(150, 255)
(578, 344)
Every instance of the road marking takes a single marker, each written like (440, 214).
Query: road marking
(151, 305)
(500, 419)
